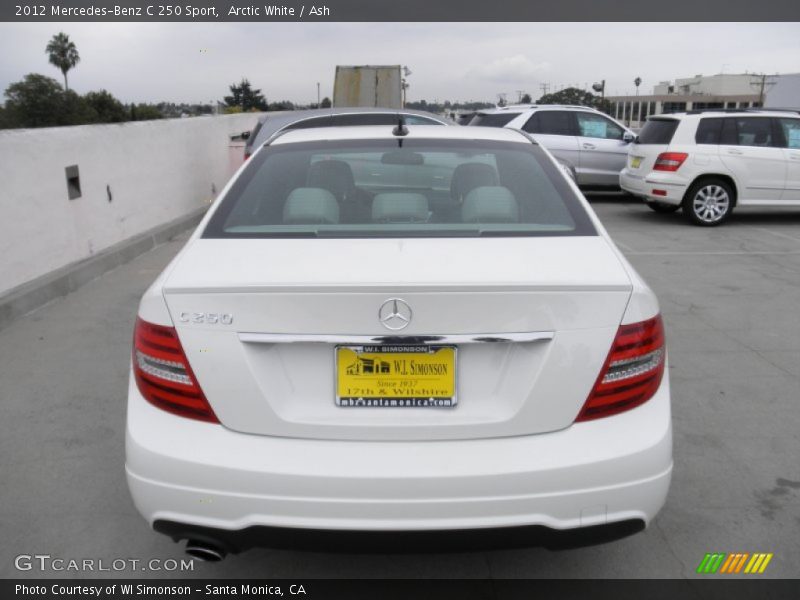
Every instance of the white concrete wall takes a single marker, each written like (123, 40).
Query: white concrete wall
(157, 171)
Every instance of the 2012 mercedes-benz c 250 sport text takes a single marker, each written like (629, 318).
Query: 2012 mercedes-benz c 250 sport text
(398, 331)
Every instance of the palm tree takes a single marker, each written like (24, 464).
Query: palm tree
(63, 54)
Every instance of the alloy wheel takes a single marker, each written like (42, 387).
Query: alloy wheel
(711, 203)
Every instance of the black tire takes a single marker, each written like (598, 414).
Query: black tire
(663, 207)
(709, 202)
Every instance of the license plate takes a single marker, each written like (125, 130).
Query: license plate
(635, 162)
(396, 376)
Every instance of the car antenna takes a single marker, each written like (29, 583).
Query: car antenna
(401, 130)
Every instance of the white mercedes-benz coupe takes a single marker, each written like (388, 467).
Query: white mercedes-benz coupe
(388, 332)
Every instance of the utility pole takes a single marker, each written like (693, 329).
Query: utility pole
(404, 83)
(763, 86)
(545, 87)
(318, 101)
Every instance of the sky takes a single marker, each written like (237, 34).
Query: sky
(196, 62)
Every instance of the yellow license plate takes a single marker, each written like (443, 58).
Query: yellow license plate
(635, 162)
(396, 376)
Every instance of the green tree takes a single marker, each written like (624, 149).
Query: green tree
(245, 97)
(525, 99)
(76, 111)
(145, 112)
(39, 101)
(62, 54)
(282, 105)
(577, 96)
(326, 103)
(36, 101)
(108, 108)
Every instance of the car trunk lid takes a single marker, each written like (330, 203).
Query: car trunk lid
(259, 321)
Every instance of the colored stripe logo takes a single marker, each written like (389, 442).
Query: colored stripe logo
(734, 563)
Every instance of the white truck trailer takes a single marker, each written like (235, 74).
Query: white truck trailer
(368, 85)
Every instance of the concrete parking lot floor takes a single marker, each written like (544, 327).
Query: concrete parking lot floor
(730, 297)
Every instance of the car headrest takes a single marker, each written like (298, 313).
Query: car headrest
(468, 176)
(490, 204)
(310, 205)
(399, 207)
(336, 176)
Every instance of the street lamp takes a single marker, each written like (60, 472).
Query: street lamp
(600, 88)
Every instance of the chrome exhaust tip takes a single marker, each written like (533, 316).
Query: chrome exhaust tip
(204, 551)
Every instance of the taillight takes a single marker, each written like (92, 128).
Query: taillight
(163, 374)
(669, 161)
(632, 372)
(246, 155)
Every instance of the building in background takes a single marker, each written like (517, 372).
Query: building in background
(785, 93)
(723, 84)
(724, 90)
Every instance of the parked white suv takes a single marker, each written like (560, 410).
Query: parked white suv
(588, 142)
(708, 162)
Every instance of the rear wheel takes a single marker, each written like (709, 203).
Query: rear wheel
(663, 207)
(708, 202)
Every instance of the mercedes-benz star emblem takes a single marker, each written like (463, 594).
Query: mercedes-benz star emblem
(394, 314)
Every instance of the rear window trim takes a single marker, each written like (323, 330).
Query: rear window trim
(584, 225)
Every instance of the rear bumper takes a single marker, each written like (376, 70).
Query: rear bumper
(359, 541)
(195, 475)
(671, 188)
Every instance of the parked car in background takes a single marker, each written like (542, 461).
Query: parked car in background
(271, 123)
(591, 143)
(398, 331)
(464, 118)
(709, 162)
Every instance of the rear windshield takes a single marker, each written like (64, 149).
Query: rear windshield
(494, 120)
(377, 188)
(657, 131)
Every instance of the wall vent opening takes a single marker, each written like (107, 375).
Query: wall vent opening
(73, 182)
